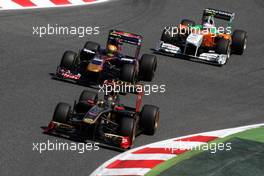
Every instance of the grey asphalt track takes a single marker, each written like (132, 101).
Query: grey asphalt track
(198, 97)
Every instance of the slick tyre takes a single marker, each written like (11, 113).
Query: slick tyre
(223, 47)
(166, 36)
(93, 46)
(128, 128)
(62, 113)
(68, 60)
(149, 119)
(148, 66)
(187, 22)
(170, 35)
(129, 73)
(83, 105)
(239, 42)
(89, 46)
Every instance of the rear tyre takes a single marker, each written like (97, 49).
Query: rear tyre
(239, 42)
(128, 73)
(128, 128)
(148, 66)
(62, 113)
(187, 22)
(223, 47)
(149, 119)
(68, 60)
(86, 100)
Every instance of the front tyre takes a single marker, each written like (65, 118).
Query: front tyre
(128, 128)
(86, 100)
(187, 22)
(149, 119)
(68, 60)
(170, 35)
(62, 113)
(166, 36)
(89, 50)
(223, 47)
(93, 46)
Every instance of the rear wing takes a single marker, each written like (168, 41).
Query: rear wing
(224, 15)
(125, 37)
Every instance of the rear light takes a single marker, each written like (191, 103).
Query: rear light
(125, 143)
(119, 108)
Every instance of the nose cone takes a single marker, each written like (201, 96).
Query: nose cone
(94, 68)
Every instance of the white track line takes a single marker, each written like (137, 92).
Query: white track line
(78, 2)
(127, 171)
(9, 4)
(178, 144)
(43, 3)
(147, 156)
(230, 131)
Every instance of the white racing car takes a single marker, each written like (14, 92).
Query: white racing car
(203, 42)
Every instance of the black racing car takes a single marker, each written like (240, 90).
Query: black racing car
(106, 121)
(120, 60)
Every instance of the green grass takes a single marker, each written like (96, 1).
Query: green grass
(256, 134)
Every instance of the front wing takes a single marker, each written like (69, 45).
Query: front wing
(108, 140)
(172, 50)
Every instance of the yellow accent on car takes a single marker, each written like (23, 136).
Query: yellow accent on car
(89, 121)
(94, 68)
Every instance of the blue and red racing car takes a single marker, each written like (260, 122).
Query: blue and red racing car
(119, 60)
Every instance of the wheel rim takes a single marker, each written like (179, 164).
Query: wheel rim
(228, 52)
(245, 44)
(157, 121)
(134, 77)
(134, 134)
(155, 67)
(153, 70)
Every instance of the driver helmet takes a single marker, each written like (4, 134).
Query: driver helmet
(110, 99)
(208, 22)
(111, 50)
(110, 96)
(100, 103)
